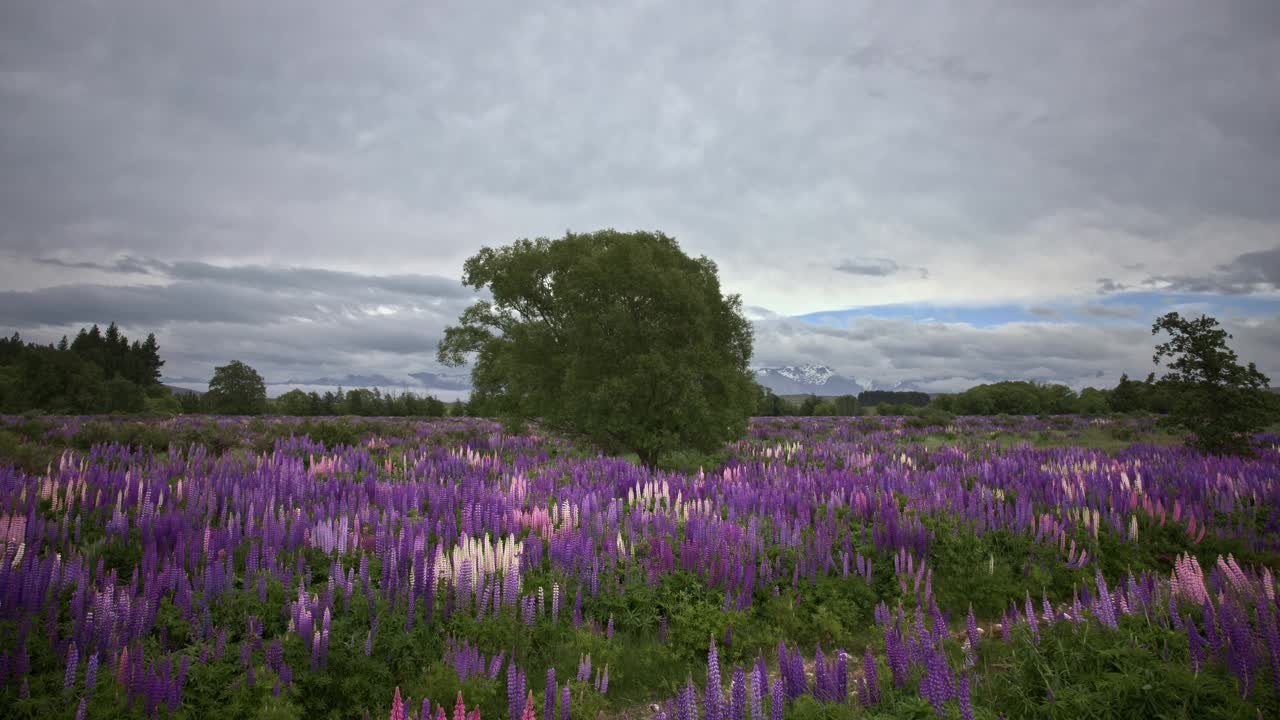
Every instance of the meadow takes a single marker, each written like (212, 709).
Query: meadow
(819, 568)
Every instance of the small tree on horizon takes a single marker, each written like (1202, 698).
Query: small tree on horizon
(1216, 398)
(620, 338)
(236, 389)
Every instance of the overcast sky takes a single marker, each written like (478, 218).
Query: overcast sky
(927, 192)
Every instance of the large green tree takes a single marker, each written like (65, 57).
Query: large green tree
(236, 389)
(1213, 395)
(618, 337)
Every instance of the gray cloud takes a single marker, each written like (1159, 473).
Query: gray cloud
(269, 178)
(877, 267)
(1250, 272)
(945, 356)
(1045, 312)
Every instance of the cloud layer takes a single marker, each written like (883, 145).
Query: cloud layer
(300, 183)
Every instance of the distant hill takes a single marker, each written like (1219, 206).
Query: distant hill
(181, 391)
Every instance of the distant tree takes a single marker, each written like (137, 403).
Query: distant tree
(768, 404)
(294, 402)
(904, 397)
(237, 389)
(1057, 399)
(945, 402)
(1092, 401)
(846, 406)
(122, 396)
(809, 405)
(1127, 396)
(620, 338)
(1220, 401)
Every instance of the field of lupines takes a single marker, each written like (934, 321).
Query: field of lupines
(821, 567)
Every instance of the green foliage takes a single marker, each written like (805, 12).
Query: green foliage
(1215, 397)
(768, 404)
(236, 389)
(620, 338)
(897, 397)
(357, 401)
(1142, 671)
(98, 372)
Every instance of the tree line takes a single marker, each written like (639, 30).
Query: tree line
(238, 389)
(99, 371)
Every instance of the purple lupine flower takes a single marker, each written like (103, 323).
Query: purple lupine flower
(1031, 620)
(548, 712)
(821, 683)
(1270, 618)
(91, 675)
(515, 693)
(962, 696)
(80, 711)
(738, 695)
(564, 702)
(871, 683)
(842, 676)
(72, 660)
(777, 697)
(712, 700)
(608, 629)
(1105, 609)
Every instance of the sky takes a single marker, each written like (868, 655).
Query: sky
(930, 194)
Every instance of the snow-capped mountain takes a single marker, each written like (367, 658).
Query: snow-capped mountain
(805, 379)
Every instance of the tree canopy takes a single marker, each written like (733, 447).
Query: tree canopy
(97, 372)
(619, 337)
(237, 389)
(1215, 397)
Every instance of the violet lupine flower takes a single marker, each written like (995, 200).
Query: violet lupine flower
(738, 695)
(842, 676)
(962, 696)
(515, 692)
(971, 631)
(757, 695)
(870, 683)
(549, 701)
(80, 711)
(712, 699)
(777, 696)
(72, 660)
(1105, 609)
(821, 683)
(91, 675)
(564, 702)
(608, 629)
(1270, 618)
(1031, 620)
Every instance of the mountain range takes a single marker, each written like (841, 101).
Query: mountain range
(806, 379)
